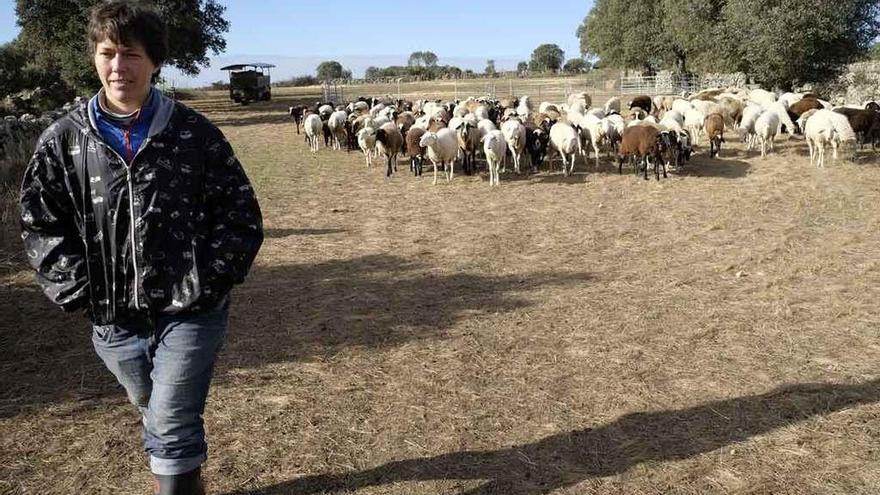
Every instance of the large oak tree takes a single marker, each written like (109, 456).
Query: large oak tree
(53, 33)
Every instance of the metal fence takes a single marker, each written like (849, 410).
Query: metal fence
(677, 84)
(555, 89)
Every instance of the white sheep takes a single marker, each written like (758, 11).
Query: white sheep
(524, 109)
(515, 135)
(565, 140)
(325, 111)
(762, 97)
(313, 127)
(612, 105)
(482, 112)
(591, 131)
(682, 106)
(485, 126)
(597, 112)
(766, 127)
(693, 123)
(613, 126)
(784, 118)
(366, 138)
(789, 99)
(336, 123)
(495, 149)
(442, 148)
(377, 108)
(826, 126)
(746, 127)
(802, 120)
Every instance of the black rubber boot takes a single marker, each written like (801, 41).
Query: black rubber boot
(180, 484)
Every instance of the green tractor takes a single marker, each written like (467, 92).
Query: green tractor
(249, 82)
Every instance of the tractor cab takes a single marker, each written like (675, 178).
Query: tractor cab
(249, 82)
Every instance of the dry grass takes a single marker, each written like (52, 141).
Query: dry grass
(715, 332)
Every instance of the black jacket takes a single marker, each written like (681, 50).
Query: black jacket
(169, 233)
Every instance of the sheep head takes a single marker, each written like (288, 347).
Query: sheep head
(428, 139)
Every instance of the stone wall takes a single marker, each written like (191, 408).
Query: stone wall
(18, 138)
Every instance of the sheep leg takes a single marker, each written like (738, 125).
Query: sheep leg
(647, 162)
(435, 172)
(451, 172)
(810, 147)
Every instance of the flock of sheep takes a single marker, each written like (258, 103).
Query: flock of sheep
(659, 131)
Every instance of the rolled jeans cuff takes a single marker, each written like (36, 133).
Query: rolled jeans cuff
(171, 467)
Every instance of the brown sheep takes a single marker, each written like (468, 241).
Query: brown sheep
(641, 144)
(714, 128)
(416, 153)
(798, 108)
(435, 125)
(404, 121)
(468, 142)
(389, 142)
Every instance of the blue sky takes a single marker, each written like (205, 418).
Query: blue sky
(454, 29)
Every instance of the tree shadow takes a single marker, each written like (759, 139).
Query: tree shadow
(283, 313)
(724, 168)
(566, 459)
(47, 355)
(372, 301)
(277, 233)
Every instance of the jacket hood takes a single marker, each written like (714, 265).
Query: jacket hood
(84, 118)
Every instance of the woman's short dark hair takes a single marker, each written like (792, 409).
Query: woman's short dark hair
(125, 21)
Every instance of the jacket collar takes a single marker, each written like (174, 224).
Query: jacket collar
(162, 105)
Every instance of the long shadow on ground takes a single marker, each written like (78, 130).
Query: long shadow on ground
(282, 314)
(293, 312)
(569, 458)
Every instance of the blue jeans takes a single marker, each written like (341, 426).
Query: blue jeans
(166, 370)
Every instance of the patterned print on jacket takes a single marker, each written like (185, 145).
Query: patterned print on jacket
(197, 225)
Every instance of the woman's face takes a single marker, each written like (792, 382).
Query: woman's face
(125, 72)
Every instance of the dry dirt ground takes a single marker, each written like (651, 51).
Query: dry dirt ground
(715, 332)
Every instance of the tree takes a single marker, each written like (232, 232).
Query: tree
(430, 59)
(490, 68)
(829, 35)
(12, 60)
(547, 57)
(372, 73)
(623, 33)
(576, 66)
(522, 67)
(422, 59)
(775, 42)
(331, 69)
(53, 34)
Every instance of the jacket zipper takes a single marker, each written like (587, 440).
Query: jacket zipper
(131, 222)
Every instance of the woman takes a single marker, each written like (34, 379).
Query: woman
(135, 210)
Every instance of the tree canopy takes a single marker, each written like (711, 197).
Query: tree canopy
(575, 66)
(547, 57)
(490, 68)
(423, 59)
(775, 42)
(332, 69)
(53, 34)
